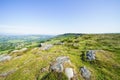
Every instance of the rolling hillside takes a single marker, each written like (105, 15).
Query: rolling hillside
(68, 56)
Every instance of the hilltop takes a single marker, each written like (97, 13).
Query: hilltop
(63, 57)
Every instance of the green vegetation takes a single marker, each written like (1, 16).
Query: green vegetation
(55, 76)
(28, 65)
(12, 42)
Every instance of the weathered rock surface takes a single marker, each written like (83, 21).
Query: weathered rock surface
(85, 73)
(91, 55)
(5, 57)
(69, 72)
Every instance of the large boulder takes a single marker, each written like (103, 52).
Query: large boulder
(69, 73)
(5, 58)
(85, 73)
(91, 55)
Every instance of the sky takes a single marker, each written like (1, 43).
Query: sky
(59, 16)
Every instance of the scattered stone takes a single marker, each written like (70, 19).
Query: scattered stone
(5, 58)
(91, 55)
(85, 73)
(69, 72)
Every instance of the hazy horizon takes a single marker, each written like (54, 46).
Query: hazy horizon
(59, 16)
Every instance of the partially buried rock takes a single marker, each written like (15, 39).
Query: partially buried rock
(91, 55)
(69, 73)
(85, 73)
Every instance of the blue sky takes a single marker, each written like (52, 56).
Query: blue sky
(59, 16)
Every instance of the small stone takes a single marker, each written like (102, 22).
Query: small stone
(91, 55)
(43, 70)
(85, 72)
(69, 72)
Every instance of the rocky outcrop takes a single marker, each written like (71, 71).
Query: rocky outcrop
(85, 73)
(45, 46)
(58, 64)
(5, 58)
(91, 55)
(63, 64)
